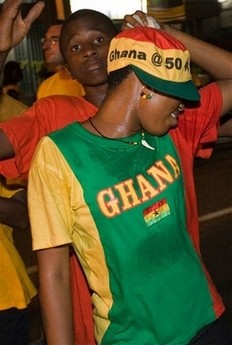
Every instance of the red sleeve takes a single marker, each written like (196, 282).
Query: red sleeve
(44, 117)
(196, 126)
(199, 125)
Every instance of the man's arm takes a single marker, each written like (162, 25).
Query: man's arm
(6, 148)
(55, 295)
(225, 129)
(13, 27)
(13, 211)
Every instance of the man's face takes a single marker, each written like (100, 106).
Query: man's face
(50, 46)
(85, 45)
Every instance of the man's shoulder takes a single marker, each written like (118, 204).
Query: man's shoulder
(61, 101)
(60, 83)
(60, 106)
(65, 99)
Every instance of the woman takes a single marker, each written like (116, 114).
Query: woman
(119, 189)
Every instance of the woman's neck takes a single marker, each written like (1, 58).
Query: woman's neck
(117, 116)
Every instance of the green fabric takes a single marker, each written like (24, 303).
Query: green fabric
(156, 277)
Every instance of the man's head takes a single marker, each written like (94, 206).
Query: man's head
(50, 45)
(158, 60)
(84, 43)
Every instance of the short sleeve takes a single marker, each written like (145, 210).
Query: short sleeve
(199, 124)
(49, 180)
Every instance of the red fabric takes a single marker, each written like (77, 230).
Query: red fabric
(45, 116)
(82, 306)
(196, 127)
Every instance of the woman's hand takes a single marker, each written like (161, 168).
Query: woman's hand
(139, 18)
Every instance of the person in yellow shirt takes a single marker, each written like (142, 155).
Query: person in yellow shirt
(9, 105)
(16, 288)
(61, 81)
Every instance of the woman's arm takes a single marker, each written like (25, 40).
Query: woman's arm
(55, 295)
(13, 211)
(212, 59)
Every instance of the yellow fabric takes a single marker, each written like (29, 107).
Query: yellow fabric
(61, 83)
(16, 288)
(9, 107)
(150, 57)
(64, 196)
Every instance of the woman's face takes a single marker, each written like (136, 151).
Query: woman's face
(159, 113)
